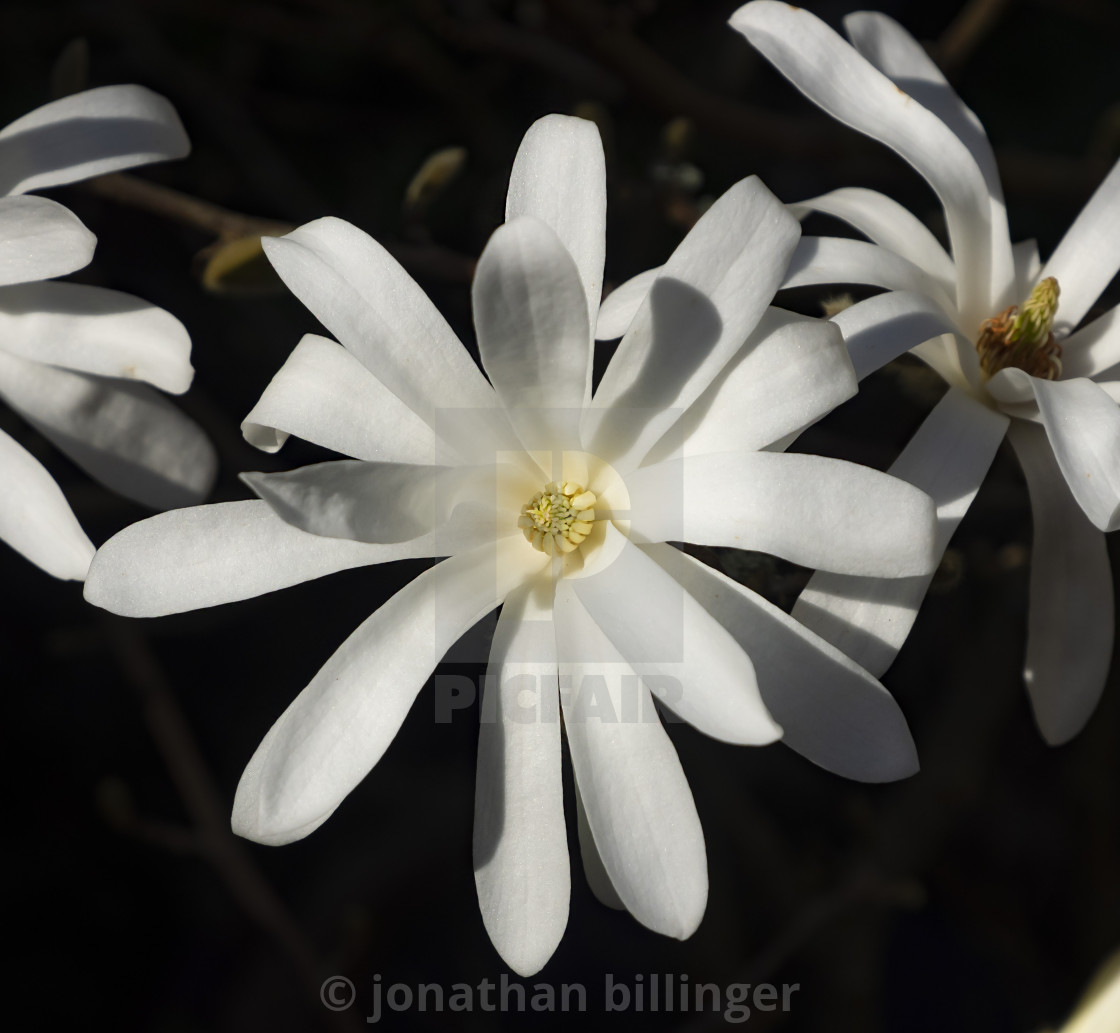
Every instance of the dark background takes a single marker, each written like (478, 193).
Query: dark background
(979, 895)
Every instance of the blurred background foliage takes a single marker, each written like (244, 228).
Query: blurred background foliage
(979, 895)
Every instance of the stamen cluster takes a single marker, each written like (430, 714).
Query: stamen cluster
(1022, 337)
(558, 518)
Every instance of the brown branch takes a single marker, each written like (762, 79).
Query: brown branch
(966, 32)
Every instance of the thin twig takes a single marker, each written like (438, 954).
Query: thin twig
(966, 32)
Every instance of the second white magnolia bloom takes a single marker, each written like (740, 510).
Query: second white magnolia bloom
(75, 360)
(556, 503)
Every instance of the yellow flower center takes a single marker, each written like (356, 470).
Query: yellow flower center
(1021, 336)
(558, 518)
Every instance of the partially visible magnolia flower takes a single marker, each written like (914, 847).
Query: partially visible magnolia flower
(72, 356)
(556, 503)
(995, 325)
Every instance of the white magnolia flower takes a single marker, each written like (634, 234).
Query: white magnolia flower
(72, 356)
(1050, 388)
(554, 502)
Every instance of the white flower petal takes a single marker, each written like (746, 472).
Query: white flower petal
(373, 307)
(1083, 425)
(89, 134)
(559, 176)
(35, 518)
(621, 306)
(831, 710)
(1071, 620)
(815, 511)
(95, 330)
(521, 867)
(869, 618)
(593, 869)
(40, 239)
(1028, 267)
(338, 727)
(533, 333)
(688, 659)
(819, 260)
(1093, 349)
(324, 395)
(883, 327)
(186, 559)
(791, 372)
(699, 311)
(1088, 256)
(462, 506)
(942, 355)
(834, 76)
(639, 807)
(900, 57)
(887, 223)
(122, 433)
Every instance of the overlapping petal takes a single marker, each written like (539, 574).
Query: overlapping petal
(533, 332)
(621, 306)
(521, 867)
(639, 808)
(791, 372)
(122, 433)
(888, 325)
(1088, 256)
(95, 330)
(819, 512)
(40, 239)
(1094, 349)
(887, 223)
(698, 313)
(1071, 622)
(831, 710)
(338, 727)
(838, 79)
(35, 518)
(687, 658)
(869, 618)
(89, 134)
(559, 177)
(324, 395)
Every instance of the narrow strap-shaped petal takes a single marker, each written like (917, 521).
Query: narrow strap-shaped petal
(621, 306)
(699, 311)
(594, 870)
(820, 260)
(463, 506)
(1071, 620)
(338, 727)
(187, 559)
(639, 807)
(887, 223)
(819, 512)
(89, 134)
(559, 176)
(1094, 349)
(881, 328)
(1083, 424)
(836, 77)
(122, 433)
(533, 334)
(900, 57)
(324, 395)
(359, 292)
(831, 710)
(689, 660)
(1088, 256)
(521, 867)
(35, 518)
(869, 618)
(1028, 267)
(39, 239)
(791, 372)
(95, 330)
